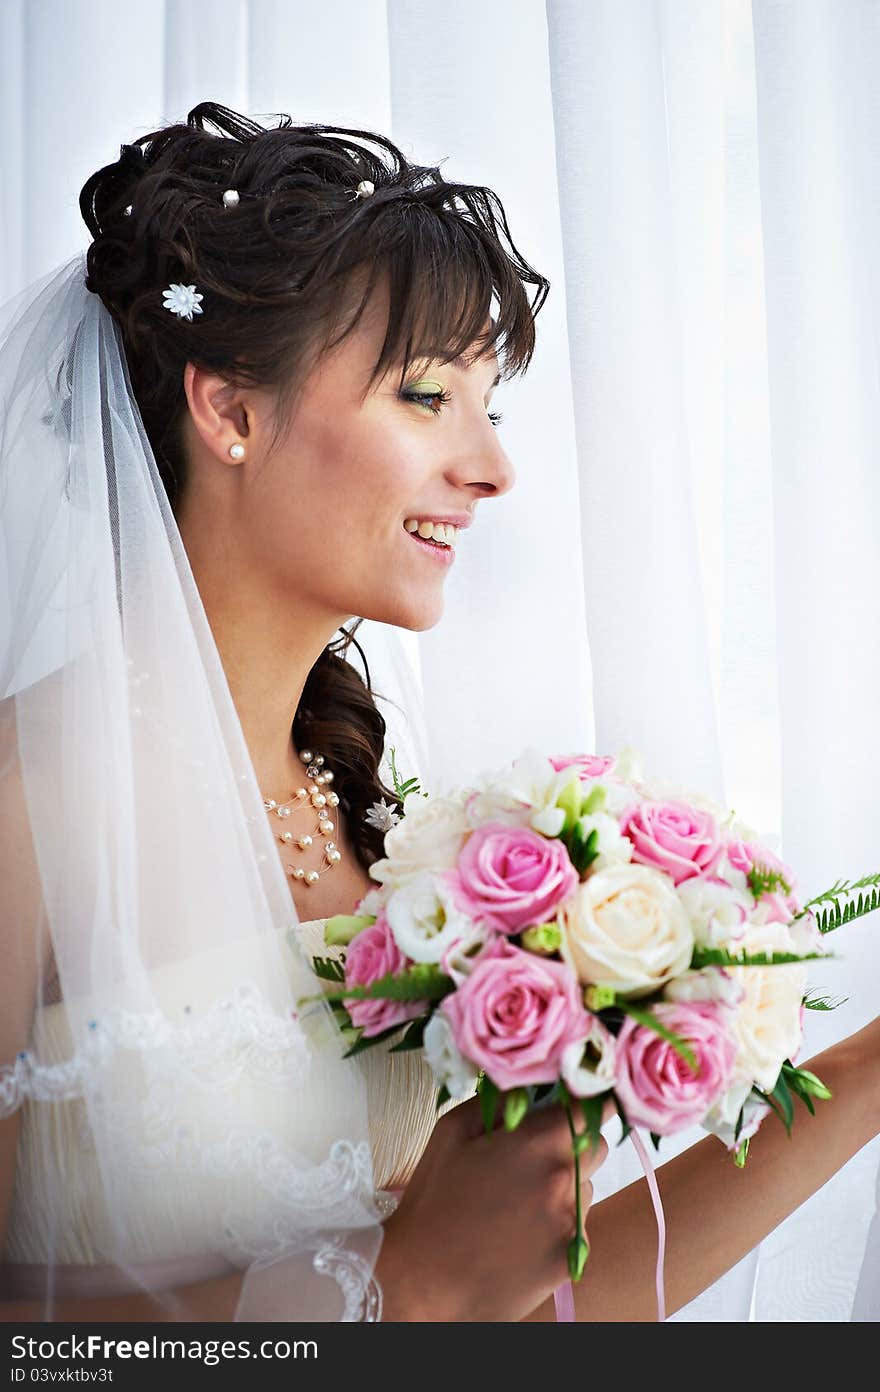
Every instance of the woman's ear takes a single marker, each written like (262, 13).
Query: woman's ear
(219, 413)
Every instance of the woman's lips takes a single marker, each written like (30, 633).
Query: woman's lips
(444, 555)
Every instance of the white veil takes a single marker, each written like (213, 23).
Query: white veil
(144, 905)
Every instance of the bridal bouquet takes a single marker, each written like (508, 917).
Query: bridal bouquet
(565, 930)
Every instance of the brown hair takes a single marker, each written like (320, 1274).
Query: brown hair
(280, 272)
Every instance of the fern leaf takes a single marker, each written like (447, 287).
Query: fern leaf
(720, 957)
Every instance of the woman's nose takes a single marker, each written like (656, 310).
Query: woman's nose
(488, 469)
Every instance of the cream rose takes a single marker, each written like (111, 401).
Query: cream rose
(766, 1025)
(625, 927)
(429, 837)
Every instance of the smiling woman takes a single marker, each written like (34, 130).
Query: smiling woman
(258, 409)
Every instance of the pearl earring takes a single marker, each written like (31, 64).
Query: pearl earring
(237, 451)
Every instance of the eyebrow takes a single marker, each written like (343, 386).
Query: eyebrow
(460, 362)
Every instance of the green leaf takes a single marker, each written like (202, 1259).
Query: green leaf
(592, 1108)
(367, 1043)
(739, 1122)
(422, 981)
(765, 879)
(742, 1154)
(781, 1101)
(413, 1038)
(488, 1094)
(328, 969)
(622, 1114)
(516, 1104)
(814, 1002)
(402, 790)
(829, 919)
(649, 1021)
(444, 1095)
(582, 850)
(578, 1252)
(656, 1139)
(720, 957)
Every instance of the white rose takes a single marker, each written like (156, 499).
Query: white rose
(625, 927)
(717, 911)
(523, 795)
(614, 848)
(424, 919)
(722, 1118)
(458, 960)
(717, 984)
(429, 837)
(587, 1065)
(767, 1023)
(371, 902)
(450, 1068)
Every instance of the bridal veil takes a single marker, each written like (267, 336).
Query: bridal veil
(144, 906)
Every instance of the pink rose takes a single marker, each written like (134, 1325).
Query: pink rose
(370, 955)
(744, 856)
(515, 1015)
(510, 877)
(674, 837)
(656, 1086)
(588, 765)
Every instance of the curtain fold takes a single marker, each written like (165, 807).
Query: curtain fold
(689, 562)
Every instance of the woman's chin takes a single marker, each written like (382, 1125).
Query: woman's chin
(416, 613)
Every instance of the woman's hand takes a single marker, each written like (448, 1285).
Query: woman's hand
(482, 1229)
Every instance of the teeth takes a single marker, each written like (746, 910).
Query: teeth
(439, 531)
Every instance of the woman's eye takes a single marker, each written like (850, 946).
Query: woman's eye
(434, 400)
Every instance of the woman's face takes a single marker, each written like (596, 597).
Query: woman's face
(325, 513)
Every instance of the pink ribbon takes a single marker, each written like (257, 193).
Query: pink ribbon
(563, 1296)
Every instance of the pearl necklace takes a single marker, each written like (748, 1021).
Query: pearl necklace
(313, 799)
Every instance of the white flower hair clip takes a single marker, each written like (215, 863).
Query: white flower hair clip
(382, 816)
(182, 300)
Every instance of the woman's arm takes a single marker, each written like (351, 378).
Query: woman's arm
(716, 1213)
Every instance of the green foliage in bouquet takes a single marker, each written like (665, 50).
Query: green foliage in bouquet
(829, 919)
(581, 843)
(402, 789)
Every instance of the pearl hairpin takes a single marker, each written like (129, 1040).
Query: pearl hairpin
(231, 198)
(313, 798)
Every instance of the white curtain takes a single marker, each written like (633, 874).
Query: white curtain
(689, 562)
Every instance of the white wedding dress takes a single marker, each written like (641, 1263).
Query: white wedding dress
(208, 1190)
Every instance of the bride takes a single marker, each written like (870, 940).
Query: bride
(258, 407)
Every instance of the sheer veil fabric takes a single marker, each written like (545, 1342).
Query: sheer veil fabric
(226, 1131)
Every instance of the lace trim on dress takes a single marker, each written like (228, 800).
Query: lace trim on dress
(353, 1275)
(241, 1029)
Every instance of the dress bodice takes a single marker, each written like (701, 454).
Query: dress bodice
(234, 1192)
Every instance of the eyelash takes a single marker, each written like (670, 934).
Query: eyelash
(443, 398)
